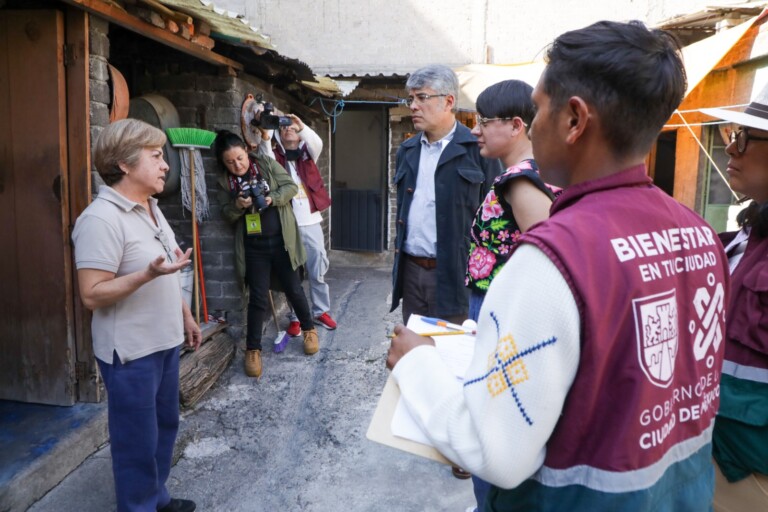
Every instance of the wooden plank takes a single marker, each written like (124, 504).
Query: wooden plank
(120, 17)
(40, 297)
(89, 389)
(199, 370)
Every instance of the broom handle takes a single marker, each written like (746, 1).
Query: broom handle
(199, 250)
(274, 311)
(195, 264)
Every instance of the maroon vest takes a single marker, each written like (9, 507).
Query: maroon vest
(650, 281)
(309, 174)
(747, 315)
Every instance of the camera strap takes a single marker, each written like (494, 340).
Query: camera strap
(236, 182)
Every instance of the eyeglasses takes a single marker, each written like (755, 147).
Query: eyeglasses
(420, 98)
(161, 237)
(741, 137)
(483, 121)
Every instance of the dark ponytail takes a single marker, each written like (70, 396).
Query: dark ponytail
(756, 217)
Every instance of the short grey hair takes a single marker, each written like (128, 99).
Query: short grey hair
(438, 77)
(121, 143)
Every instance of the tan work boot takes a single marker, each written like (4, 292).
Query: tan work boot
(253, 363)
(311, 342)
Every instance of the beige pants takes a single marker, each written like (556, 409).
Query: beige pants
(747, 495)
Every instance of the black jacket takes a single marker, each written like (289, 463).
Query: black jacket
(462, 179)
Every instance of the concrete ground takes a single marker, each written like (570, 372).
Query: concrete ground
(294, 440)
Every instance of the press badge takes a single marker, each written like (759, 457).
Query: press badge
(253, 223)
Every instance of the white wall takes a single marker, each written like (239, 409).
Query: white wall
(345, 37)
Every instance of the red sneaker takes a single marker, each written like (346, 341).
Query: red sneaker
(294, 329)
(326, 321)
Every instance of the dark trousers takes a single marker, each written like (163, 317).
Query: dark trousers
(264, 255)
(419, 286)
(143, 412)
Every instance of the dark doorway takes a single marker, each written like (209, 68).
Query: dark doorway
(359, 180)
(663, 173)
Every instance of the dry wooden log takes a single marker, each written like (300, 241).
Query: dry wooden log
(168, 13)
(172, 26)
(199, 370)
(187, 30)
(203, 28)
(204, 41)
(150, 16)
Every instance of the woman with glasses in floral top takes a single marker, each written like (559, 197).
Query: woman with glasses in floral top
(518, 199)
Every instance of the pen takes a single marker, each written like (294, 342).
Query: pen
(441, 333)
(443, 323)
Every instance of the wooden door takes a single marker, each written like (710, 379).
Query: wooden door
(36, 333)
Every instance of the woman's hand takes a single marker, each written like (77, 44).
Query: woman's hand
(268, 200)
(243, 202)
(193, 337)
(160, 266)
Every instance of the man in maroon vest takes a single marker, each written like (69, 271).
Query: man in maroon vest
(595, 378)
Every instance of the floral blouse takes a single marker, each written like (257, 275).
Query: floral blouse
(494, 231)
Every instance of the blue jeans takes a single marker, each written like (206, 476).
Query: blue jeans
(143, 412)
(316, 267)
(480, 487)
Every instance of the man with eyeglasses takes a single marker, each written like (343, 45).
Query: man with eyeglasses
(441, 180)
(596, 372)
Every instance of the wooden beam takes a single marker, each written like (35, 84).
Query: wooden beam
(89, 386)
(120, 17)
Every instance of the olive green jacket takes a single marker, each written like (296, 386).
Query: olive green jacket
(281, 189)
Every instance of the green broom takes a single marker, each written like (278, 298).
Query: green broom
(192, 139)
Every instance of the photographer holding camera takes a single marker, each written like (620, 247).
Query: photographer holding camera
(256, 196)
(298, 148)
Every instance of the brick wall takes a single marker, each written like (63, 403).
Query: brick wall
(205, 98)
(99, 75)
(400, 128)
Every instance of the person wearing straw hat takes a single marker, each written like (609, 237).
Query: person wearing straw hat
(127, 263)
(740, 440)
(593, 386)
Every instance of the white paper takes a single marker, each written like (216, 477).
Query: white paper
(456, 352)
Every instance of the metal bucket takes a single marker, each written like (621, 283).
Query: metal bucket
(187, 281)
(159, 112)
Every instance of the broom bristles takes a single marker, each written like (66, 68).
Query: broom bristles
(190, 137)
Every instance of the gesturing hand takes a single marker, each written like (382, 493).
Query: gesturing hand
(160, 266)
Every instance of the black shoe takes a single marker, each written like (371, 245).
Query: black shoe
(460, 473)
(176, 505)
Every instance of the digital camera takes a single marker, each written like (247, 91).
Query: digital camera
(257, 189)
(269, 121)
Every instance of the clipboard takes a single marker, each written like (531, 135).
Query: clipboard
(380, 429)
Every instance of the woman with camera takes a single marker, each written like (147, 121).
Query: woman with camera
(256, 197)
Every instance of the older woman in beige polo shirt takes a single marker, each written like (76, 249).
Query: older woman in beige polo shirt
(127, 266)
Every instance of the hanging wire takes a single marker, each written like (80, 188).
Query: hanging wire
(337, 108)
(711, 160)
